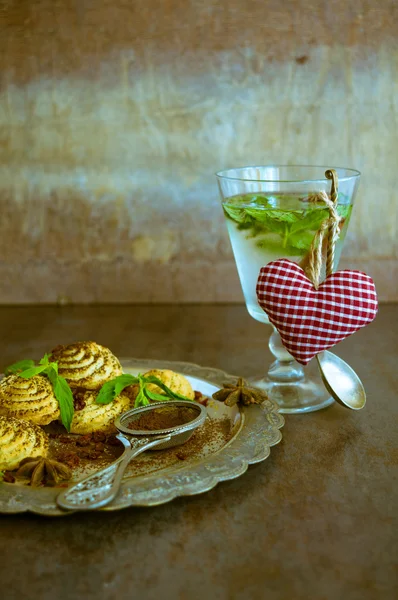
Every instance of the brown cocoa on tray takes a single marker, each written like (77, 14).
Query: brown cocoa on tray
(75, 450)
(213, 431)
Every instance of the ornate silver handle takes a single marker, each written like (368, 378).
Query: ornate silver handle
(102, 487)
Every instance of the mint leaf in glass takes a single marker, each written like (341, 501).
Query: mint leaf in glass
(310, 220)
(275, 246)
(301, 241)
(344, 210)
(236, 213)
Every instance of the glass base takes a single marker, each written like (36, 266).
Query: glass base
(302, 397)
(295, 388)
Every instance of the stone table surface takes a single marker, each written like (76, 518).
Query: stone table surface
(317, 520)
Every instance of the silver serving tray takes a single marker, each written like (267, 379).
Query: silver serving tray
(256, 429)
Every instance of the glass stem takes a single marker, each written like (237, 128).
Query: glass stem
(284, 369)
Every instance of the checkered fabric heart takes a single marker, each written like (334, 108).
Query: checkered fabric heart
(310, 320)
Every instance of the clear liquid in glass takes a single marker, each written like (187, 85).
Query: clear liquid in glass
(265, 227)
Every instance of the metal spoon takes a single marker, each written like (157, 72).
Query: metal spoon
(103, 486)
(341, 381)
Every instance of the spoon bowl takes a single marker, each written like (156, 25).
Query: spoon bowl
(341, 381)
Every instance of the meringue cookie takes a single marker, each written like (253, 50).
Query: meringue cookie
(97, 417)
(20, 439)
(176, 382)
(31, 399)
(86, 364)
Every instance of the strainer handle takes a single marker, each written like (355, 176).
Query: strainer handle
(102, 487)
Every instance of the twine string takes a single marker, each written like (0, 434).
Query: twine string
(329, 229)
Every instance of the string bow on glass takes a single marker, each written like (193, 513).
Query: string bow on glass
(329, 229)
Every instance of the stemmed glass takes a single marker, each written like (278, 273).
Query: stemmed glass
(269, 215)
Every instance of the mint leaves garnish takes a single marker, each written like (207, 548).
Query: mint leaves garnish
(111, 389)
(237, 214)
(61, 389)
(63, 394)
(261, 216)
(18, 367)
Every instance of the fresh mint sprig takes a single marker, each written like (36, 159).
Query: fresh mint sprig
(27, 369)
(111, 389)
(18, 367)
(260, 215)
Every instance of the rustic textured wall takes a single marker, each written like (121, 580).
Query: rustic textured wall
(114, 116)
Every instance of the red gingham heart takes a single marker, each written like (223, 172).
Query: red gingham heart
(310, 320)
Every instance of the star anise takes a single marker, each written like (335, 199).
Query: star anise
(40, 469)
(241, 393)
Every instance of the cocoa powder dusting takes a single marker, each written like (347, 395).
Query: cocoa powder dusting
(8, 477)
(78, 398)
(82, 451)
(207, 439)
(163, 418)
(201, 398)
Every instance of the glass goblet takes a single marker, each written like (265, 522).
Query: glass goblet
(269, 216)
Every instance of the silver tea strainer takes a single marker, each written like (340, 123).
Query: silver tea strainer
(102, 487)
